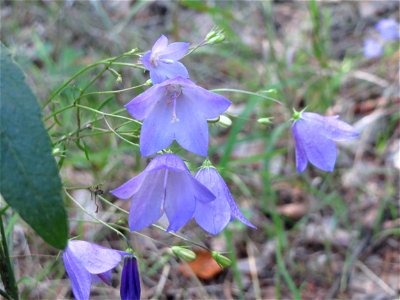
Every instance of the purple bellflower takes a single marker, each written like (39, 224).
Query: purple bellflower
(388, 29)
(165, 185)
(176, 109)
(315, 137)
(130, 280)
(372, 48)
(215, 215)
(162, 61)
(86, 263)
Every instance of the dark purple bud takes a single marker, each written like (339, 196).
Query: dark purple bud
(130, 281)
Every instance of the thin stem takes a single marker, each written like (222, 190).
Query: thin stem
(77, 100)
(53, 114)
(128, 65)
(7, 273)
(115, 91)
(107, 114)
(94, 217)
(232, 255)
(155, 225)
(108, 61)
(118, 135)
(5, 295)
(249, 93)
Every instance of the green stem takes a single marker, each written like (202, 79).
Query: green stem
(232, 255)
(155, 225)
(5, 295)
(7, 273)
(94, 217)
(108, 61)
(249, 93)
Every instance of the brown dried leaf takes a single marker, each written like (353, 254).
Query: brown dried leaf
(204, 266)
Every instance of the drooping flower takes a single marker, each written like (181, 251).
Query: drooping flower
(215, 215)
(372, 48)
(162, 61)
(130, 281)
(388, 29)
(165, 185)
(315, 137)
(86, 263)
(176, 109)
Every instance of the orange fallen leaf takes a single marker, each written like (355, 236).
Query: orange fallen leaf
(204, 266)
(293, 210)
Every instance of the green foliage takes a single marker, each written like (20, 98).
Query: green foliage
(29, 176)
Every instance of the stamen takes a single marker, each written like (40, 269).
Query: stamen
(174, 91)
(165, 187)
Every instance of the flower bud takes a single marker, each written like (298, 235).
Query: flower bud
(215, 36)
(221, 260)
(130, 280)
(265, 121)
(224, 121)
(183, 253)
(211, 34)
(271, 93)
(216, 39)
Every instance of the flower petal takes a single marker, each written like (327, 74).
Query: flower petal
(145, 59)
(388, 29)
(157, 75)
(146, 206)
(320, 150)
(171, 70)
(79, 276)
(332, 127)
(215, 215)
(235, 211)
(94, 258)
(102, 277)
(209, 105)
(169, 161)
(301, 156)
(141, 106)
(175, 51)
(372, 48)
(126, 191)
(160, 44)
(180, 201)
(157, 133)
(191, 129)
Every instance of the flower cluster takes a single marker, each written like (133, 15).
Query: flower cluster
(176, 109)
(387, 30)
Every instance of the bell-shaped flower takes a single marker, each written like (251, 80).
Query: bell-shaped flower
(215, 215)
(315, 138)
(86, 263)
(130, 280)
(165, 185)
(372, 48)
(162, 61)
(176, 109)
(388, 29)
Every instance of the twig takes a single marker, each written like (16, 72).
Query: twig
(163, 280)
(340, 282)
(253, 271)
(375, 278)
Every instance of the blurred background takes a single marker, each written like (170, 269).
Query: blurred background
(320, 235)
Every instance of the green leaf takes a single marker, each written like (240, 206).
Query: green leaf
(29, 179)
